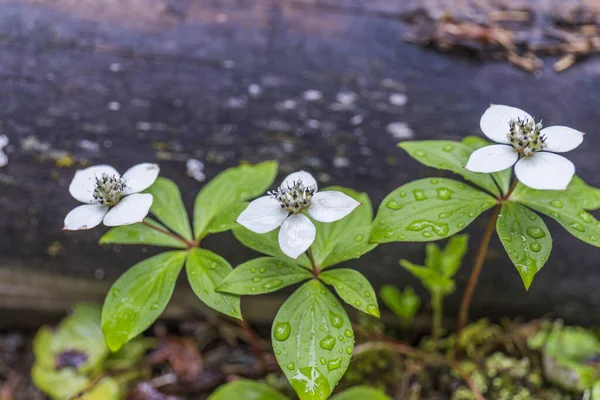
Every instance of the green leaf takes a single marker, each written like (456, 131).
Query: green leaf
(403, 304)
(502, 178)
(431, 278)
(168, 207)
(525, 238)
(353, 288)
(263, 275)
(229, 188)
(246, 390)
(313, 340)
(346, 238)
(139, 296)
(558, 206)
(428, 209)
(266, 243)
(433, 255)
(361, 393)
(582, 194)
(153, 235)
(59, 385)
(449, 156)
(453, 255)
(78, 333)
(225, 220)
(206, 271)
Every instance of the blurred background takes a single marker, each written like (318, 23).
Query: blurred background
(330, 86)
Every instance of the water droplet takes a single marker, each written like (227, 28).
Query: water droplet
(445, 214)
(253, 270)
(402, 194)
(373, 310)
(367, 294)
(419, 195)
(535, 246)
(556, 203)
(359, 238)
(262, 270)
(586, 217)
(336, 320)
(357, 303)
(278, 352)
(328, 342)
(419, 225)
(115, 292)
(577, 226)
(291, 366)
(427, 234)
(393, 205)
(448, 148)
(332, 365)
(275, 283)
(256, 279)
(348, 333)
(420, 153)
(154, 306)
(444, 193)
(282, 331)
(535, 232)
(533, 218)
(349, 350)
(253, 289)
(434, 181)
(323, 361)
(460, 225)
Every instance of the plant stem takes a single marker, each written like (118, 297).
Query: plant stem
(315, 267)
(513, 186)
(437, 301)
(189, 245)
(465, 304)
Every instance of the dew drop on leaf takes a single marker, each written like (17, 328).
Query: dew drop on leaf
(323, 361)
(448, 148)
(419, 195)
(282, 331)
(256, 279)
(577, 226)
(275, 283)
(359, 238)
(444, 194)
(348, 333)
(336, 320)
(393, 205)
(290, 366)
(327, 342)
(372, 309)
(535, 247)
(556, 203)
(349, 350)
(535, 232)
(334, 364)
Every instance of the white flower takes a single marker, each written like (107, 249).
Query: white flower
(283, 207)
(525, 143)
(3, 156)
(110, 197)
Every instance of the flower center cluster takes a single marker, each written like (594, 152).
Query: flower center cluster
(109, 189)
(525, 136)
(294, 198)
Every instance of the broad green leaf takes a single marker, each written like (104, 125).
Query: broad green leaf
(502, 178)
(428, 209)
(168, 207)
(403, 304)
(574, 219)
(361, 393)
(584, 195)
(450, 156)
(266, 243)
(431, 278)
(206, 271)
(78, 336)
(263, 275)
(453, 254)
(139, 296)
(346, 238)
(151, 233)
(353, 288)
(313, 340)
(246, 390)
(525, 238)
(225, 220)
(229, 188)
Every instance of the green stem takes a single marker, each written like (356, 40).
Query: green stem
(437, 304)
(315, 267)
(188, 244)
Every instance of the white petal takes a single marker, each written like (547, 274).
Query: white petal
(262, 215)
(140, 177)
(561, 138)
(306, 178)
(545, 171)
(86, 216)
(331, 205)
(494, 121)
(130, 210)
(82, 185)
(492, 158)
(296, 235)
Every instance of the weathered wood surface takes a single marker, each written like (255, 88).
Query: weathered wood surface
(122, 82)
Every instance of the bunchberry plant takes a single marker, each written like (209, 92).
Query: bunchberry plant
(140, 295)
(312, 335)
(436, 208)
(403, 303)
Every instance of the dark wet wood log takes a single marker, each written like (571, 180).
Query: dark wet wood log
(226, 81)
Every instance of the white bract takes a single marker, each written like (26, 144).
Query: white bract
(110, 197)
(283, 207)
(524, 142)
